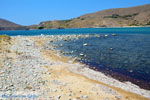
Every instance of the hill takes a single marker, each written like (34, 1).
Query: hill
(8, 25)
(119, 17)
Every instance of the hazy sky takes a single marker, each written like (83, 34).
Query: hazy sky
(27, 12)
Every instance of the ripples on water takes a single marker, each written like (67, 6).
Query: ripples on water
(145, 30)
(126, 55)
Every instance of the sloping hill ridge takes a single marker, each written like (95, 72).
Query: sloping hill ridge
(119, 17)
(8, 25)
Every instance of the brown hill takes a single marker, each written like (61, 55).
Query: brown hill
(8, 25)
(119, 17)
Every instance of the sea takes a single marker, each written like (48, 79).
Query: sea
(124, 56)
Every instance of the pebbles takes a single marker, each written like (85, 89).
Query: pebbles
(85, 44)
(106, 35)
(110, 81)
(57, 82)
(26, 71)
(84, 96)
(81, 54)
(114, 34)
(58, 97)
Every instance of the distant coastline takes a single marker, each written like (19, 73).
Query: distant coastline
(119, 17)
(27, 29)
(114, 30)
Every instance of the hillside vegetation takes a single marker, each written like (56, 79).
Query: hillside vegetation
(119, 17)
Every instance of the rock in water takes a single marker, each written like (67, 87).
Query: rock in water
(85, 44)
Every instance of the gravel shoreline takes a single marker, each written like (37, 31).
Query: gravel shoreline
(86, 71)
(22, 72)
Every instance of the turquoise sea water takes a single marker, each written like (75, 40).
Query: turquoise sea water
(125, 56)
(136, 30)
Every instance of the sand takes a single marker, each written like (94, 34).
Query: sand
(56, 77)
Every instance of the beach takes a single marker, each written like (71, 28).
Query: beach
(31, 67)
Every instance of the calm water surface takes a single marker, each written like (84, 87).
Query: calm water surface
(135, 30)
(125, 56)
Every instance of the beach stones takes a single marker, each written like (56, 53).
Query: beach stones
(75, 99)
(57, 82)
(107, 98)
(61, 45)
(114, 34)
(97, 36)
(81, 54)
(27, 72)
(51, 41)
(84, 96)
(54, 90)
(85, 44)
(106, 35)
(110, 48)
(24, 74)
(58, 97)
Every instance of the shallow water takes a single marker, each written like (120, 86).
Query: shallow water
(124, 55)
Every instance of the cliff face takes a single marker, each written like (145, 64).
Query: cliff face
(119, 17)
(8, 25)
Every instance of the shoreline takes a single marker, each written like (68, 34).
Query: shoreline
(120, 75)
(117, 73)
(57, 76)
(123, 85)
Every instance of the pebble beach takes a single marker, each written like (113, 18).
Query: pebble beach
(32, 69)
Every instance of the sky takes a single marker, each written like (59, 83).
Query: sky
(28, 12)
